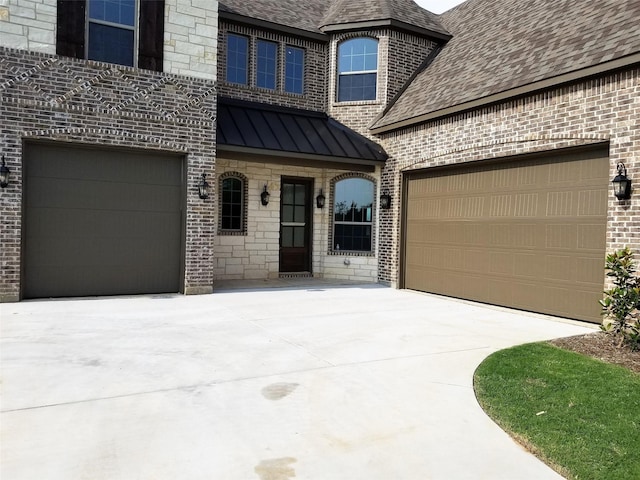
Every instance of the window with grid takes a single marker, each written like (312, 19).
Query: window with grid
(294, 70)
(237, 56)
(266, 64)
(357, 69)
(353, 215)
(232, 204)
(112, 31)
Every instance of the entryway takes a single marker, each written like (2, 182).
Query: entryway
(295, 225)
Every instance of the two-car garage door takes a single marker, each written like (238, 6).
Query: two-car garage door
(528, 233)
(101, 221)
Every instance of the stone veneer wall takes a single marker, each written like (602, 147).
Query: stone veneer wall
(190, 36)
(45, 97)
(255, 254)
(601, 110)
(315, 70)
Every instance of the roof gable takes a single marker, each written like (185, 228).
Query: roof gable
(501, 46)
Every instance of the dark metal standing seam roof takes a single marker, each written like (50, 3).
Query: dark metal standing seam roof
(256, 127)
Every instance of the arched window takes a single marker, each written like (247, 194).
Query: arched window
(353, 215)
(232, 203)
(357, 69)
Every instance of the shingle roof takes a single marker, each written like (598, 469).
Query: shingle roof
(272, 129)
(310, 15)
(345, 12)
(498, 46)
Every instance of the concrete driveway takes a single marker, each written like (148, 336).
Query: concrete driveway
(360, 382)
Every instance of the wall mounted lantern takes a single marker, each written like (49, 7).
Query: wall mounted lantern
(621, 183)
(385, 200)
(203, 187)
(264, 196)
(4, 174)
(320, 200)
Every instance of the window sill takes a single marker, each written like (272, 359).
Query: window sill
(351, 253)
(232, 233)
(356, 103)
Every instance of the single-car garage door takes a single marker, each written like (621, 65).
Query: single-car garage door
(101, 222)
(528, 233)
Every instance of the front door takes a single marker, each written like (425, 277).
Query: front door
(295, 225)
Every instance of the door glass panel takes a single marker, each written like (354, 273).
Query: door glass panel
(299, 214)
(287, 236)
(287, 213)
(299, 195)
(298, 237)
(287, 193)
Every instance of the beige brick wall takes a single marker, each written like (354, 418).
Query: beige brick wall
(602, 110)
(255, 255)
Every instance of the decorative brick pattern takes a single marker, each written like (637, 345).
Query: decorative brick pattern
(65, 100)
(596, 111)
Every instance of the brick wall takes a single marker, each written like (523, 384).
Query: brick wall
(315, 70)
(255, 254)
(605, 109)
(45, 97)
(190, 38)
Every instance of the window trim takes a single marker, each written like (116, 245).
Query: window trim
(247, 65)
(245, 196)
(135, 28)
(339, 74)
(275, 60)
(285, 67)
(332, 195)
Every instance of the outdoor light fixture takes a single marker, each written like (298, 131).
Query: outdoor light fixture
(203, 187)
(385, 200)
(621, 183)
(4, 174)
(320, 200)
(264, 196)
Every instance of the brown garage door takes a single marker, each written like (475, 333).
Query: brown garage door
(101, 222)
(528, 233)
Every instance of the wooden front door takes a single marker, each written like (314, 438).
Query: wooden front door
(295, 225)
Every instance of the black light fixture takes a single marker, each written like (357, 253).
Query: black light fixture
(264, 196)
(4, 174)
(320, 200)
(621, 183)
(385, 200)
(203, 187)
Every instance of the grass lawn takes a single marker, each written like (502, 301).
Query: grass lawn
(579, 415)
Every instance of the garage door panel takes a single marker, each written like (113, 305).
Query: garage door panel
(525, 233)
(97, 224)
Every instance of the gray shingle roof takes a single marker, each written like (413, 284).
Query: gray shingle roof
(310, 15)
(344, 12)
(502, 45)
(266, 128)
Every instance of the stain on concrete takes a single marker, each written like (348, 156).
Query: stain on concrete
(278, 391)
(276, 469)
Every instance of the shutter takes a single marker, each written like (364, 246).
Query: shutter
(151, 36)
(71, 25)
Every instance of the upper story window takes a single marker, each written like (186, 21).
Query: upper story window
(294, 70)
(112, 31)
(237, 59)
(125, 32)
(357, 69)
(266, 64)
(353, 215)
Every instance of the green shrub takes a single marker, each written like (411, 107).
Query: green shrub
(621, 304)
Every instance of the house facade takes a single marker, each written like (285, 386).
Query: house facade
(468, 154)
